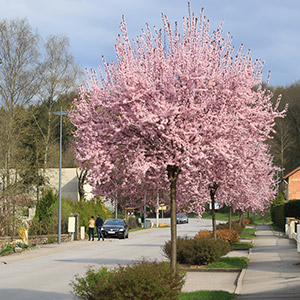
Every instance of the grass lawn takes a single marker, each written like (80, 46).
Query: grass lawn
(229, 262)
(207, 295)
(242, 245)
(257, 219)
(137, 229)
(247, 235)
(249, 230)
(220, 216)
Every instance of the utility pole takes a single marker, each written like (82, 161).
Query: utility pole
(60, 113)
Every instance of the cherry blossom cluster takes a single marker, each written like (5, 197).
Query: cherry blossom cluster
(180, 99)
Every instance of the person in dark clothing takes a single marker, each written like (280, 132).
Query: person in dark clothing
(99, 223)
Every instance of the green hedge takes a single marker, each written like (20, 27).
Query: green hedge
(281, 211)
(278, 216)
(292, 209)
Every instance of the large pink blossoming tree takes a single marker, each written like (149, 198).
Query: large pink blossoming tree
(183, 110)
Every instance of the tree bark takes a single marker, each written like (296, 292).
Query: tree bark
(213, 190)
(81, 181)
(173, 172)
(229, 217)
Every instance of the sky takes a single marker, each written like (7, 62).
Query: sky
(269, 28)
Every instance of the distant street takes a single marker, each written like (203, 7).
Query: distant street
(48, 276)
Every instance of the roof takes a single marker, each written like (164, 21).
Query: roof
(291, 173)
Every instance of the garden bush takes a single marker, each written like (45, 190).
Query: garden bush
(142, 280)
(203, 234)
(200, 251)
(9, 247)
(229, 235)
(247, 221)
(279, 201)
(234, 225)
(132, 222)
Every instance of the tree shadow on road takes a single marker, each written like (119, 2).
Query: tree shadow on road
(22, 294)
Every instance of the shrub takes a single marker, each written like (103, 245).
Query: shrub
(9, 248)
(234, 225)
(279, 200)
(200, 251)
(204, 234)
(52, 238)
(132, 222)
(247, 221)
(229, 235)
(91, 208)
(142, 280)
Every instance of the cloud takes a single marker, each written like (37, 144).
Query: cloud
(270, 28)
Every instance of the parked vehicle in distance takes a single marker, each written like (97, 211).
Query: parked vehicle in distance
(115, 228)
(181, 219)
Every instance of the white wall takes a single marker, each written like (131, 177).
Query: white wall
(69, 183)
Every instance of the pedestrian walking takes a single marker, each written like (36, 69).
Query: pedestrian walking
(99, 223)
(91, 224)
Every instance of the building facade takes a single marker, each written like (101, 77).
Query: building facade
(293, 184)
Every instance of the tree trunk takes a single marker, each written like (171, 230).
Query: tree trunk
(213, 190)
(81, 181)
(229, 217)
(213, 215)
(173, 172)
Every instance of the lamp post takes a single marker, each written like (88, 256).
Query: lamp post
(60, 113)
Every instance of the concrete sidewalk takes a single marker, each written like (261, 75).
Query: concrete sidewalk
(212, 280)
(274, 268)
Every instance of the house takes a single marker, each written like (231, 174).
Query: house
(69, 183)
(293, 184)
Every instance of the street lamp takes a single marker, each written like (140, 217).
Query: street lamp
(60, 113)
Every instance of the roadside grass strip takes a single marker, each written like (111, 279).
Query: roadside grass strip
(207, 295)
(229, 263)
(137, 229)
(242, 245)
(247, 235)
(220, 216)
(249, 230)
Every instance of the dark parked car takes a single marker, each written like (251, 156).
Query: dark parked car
(115, 228)
(181, 219)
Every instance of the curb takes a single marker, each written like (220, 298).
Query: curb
(239, 282)
(219, 270)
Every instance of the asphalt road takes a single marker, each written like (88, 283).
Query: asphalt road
(47, 273)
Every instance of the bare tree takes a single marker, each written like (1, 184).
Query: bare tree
(20, 79)
(60, 77)
(283, 144)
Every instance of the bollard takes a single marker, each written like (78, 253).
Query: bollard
(291, 229)
(82, 232)
(298, 238)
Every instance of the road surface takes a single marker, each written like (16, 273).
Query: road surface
(46, 273)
